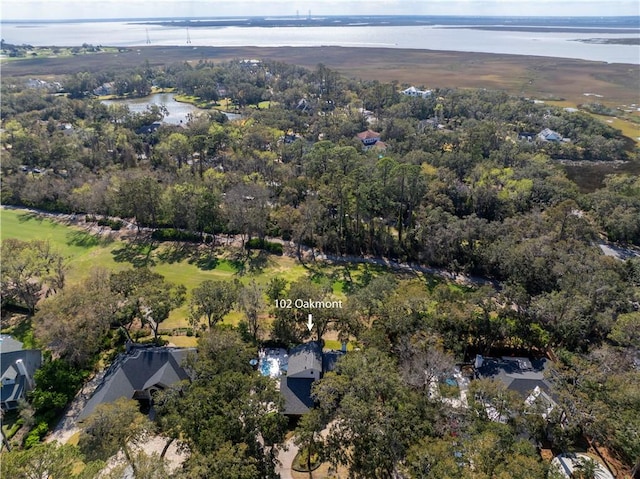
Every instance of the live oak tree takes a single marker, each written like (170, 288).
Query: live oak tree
(146, 296)
(308, 436)
(29, 270)
(229, 415)
(146, 466)
(114, 427)
(370, 413)
(74, 322)
(48, 460)
(212, 300)
(290, 323)
(251, 303)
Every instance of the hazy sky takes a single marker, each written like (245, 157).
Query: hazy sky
(64, 9)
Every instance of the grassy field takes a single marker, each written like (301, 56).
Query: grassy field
(183, 264)
(85, 250)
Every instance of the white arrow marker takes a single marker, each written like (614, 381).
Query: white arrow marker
(310, 322)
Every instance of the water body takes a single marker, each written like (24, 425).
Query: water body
(549, 43)
(178, 112)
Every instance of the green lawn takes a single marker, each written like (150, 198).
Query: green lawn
(178, 264)
(85, 251)
(183, 264)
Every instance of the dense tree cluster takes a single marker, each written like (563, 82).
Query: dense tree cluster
(456, 188)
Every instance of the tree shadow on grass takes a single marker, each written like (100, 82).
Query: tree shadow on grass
(247, 262)
(259, 262)
(88, 240)
(205, 259)
(238, 260)
(136, 253)
(24, 217)
(175, 253)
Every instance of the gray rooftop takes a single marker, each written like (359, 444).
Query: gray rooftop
(14, 383)
(297, 395)
(305, 360)
(8, 344)
(521, 375)
(140, 369)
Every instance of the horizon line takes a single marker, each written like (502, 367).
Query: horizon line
(295, 17)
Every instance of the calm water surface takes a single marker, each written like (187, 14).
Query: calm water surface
(178, 112)
(548, 43)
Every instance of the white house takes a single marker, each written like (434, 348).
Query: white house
(413, 91)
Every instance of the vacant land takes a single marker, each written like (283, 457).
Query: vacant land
(538, 77)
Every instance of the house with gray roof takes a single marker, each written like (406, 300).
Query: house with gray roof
(523, 375)
(17, 367)
(306, 364)
(549, 135)
(138, 374)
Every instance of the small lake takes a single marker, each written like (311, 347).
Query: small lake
(178, 112)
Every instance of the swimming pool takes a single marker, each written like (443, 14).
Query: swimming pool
(273, 362)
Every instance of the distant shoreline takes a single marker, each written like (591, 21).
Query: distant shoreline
(611, 41)
(516, 23)
(544, 29)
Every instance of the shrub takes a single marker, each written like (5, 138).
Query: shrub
(36, 435)
(172, 234)
(273, 248)
(113, 224)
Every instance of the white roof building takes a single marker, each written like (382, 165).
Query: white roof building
(413, 91)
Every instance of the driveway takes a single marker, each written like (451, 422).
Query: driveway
(286, 460)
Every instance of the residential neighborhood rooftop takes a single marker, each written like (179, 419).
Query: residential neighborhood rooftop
(137, 373)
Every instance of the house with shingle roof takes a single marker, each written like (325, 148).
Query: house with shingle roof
(138, 374)
(549, 135)
(306, 364)
(17, 368)
(524, 376)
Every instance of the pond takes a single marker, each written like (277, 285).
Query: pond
(178, 112)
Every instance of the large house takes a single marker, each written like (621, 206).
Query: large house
(523, 375)
(17, 367)
(297, 371)
(413, 91)
(371, 139)
(138, 374)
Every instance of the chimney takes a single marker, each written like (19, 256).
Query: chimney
(479, 360)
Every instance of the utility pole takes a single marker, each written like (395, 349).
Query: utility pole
(188, 36)
(148, 39)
